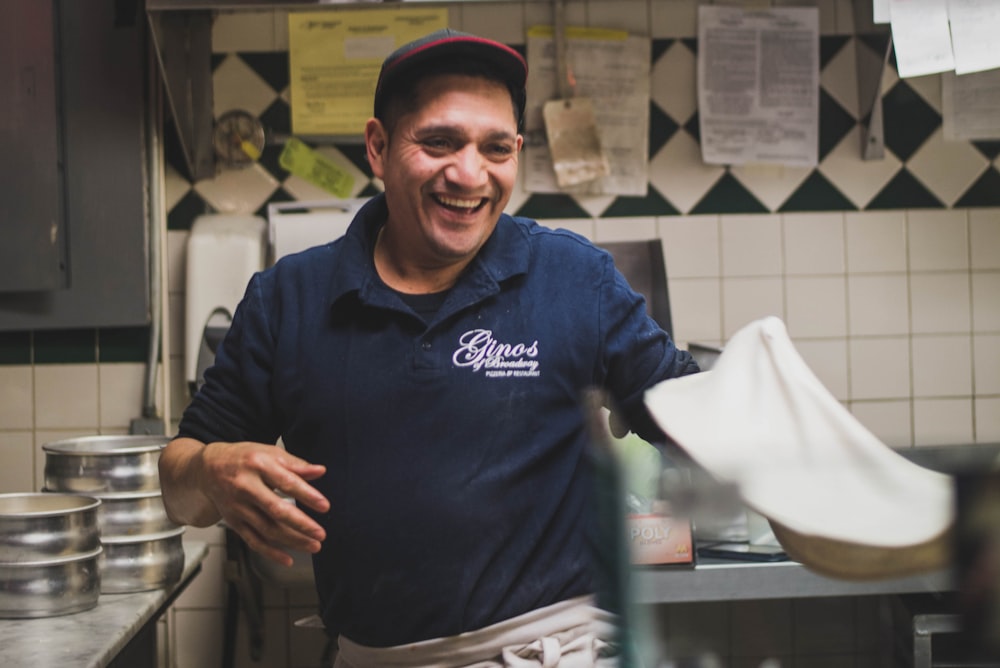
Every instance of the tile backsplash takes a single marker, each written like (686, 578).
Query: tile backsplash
(887, 272)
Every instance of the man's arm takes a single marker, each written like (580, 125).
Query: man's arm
(236, 482)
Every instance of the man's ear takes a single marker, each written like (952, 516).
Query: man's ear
(376, 143)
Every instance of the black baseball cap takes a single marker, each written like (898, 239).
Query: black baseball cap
(408, 60)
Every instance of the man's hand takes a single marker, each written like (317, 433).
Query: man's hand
(237, 482)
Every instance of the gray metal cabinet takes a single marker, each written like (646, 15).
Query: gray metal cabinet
(73, 212)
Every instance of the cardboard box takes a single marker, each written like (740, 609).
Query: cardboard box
(659, 539)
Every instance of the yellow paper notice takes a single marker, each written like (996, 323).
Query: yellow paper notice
(315, 168)
(334, 61)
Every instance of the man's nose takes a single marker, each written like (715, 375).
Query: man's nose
(468, 168)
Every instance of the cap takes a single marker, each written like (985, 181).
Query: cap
(405, 61)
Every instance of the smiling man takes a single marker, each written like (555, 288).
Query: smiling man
(425, 373)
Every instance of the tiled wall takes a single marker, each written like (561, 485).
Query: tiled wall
(886, 272)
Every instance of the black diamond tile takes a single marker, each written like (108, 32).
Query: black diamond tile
(182, 215)
(556, 205)
(693, 127)
(991, 149)
(909, 120)
(271, 66)
(279, 195)
(905, 192)
(817, 194)
(216, 59)
(834, 123)
(661, 128)
(123, 344)
(356, 154)
(830, 46)
(658, 47)
(15, 348)
(691, 43)
(653, 204)
(65, 346)
(878, 42)
(984, 192)
(277, 118)
(728, 195)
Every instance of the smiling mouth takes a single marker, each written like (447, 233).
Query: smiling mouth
(461, 204)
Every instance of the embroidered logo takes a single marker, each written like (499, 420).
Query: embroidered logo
(478, 350)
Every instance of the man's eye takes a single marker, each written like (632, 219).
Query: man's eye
(500, 150)
(437, 143)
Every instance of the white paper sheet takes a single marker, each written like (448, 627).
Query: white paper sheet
(975, 26)
(920, 37)
(758, 85)
(880, 11)
(612, 69)
(971, 105)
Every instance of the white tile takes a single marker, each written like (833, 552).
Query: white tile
(628, 15)
(827, 359)
(938, 240)
(877, 304)
(816, 306)
(696, 309)
(238, 190)
(500, 21)
(772, 185)
(986, 301)
(66, 396)
(672, 82)
(947, 168)
(845, 17)
(243, 31)
(751, 245)
(280, 27)
(859, 180)
(237, 87)
(17, 410)
(987, 420)
(197, 637)
(942, 366)
(208, 590)
(876, 242)
(674, 18)
(840, 78)
(890, 421)
(120, 394)
(984, 236)
(745, 300)
(679, 174)
(595, 205)
(814, 243)
(624, 229)
(17, 452)
(690, 245)
(986, 363)
(880, 368)
(942, 421)
(940, 302)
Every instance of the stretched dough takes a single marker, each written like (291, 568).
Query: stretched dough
(839, 500)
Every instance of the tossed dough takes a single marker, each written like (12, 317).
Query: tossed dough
(838, 499)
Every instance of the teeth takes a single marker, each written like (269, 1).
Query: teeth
(460, 203)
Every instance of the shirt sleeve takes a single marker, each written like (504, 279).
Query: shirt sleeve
(234, 403)
(638, 354)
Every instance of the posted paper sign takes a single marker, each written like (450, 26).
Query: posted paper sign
(975, 26)
(971, 105)
(758, 85)
(920, 37)
(334, 61)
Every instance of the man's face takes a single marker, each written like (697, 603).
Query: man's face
(448, 168)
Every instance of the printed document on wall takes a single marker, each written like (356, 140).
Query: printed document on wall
(334, 61)
(611, 68)
(970, 105)
(758, 85)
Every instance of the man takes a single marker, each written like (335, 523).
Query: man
(425, 373)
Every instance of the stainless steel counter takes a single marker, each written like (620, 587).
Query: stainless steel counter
(120, 631)
(718, 580)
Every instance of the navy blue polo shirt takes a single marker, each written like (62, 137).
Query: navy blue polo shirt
(454, 447)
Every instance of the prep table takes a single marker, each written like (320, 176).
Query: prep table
(119, 631)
